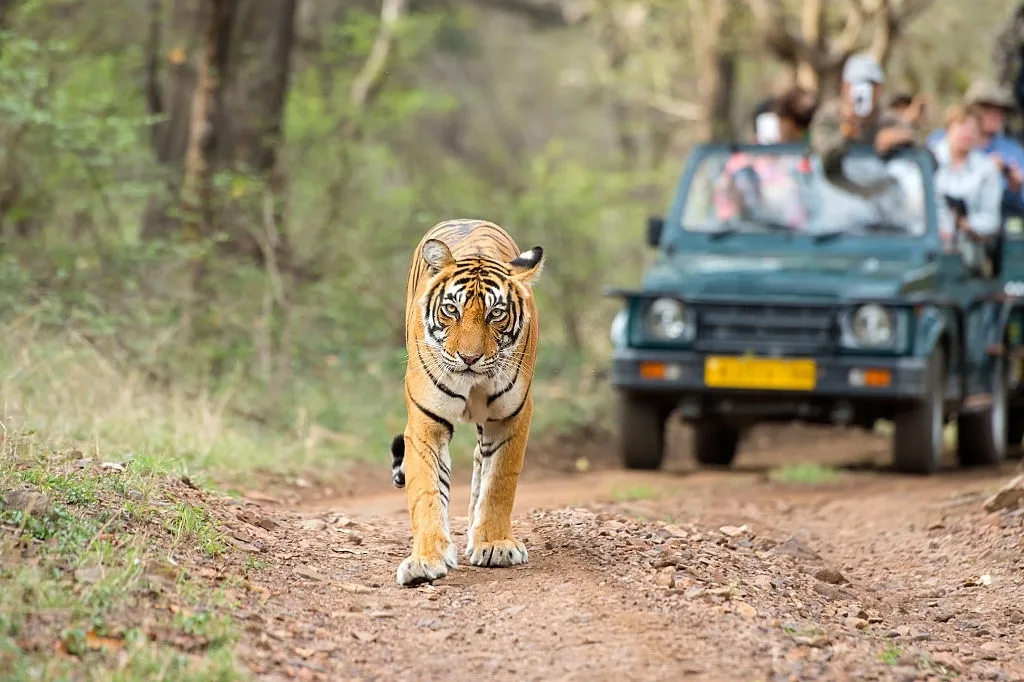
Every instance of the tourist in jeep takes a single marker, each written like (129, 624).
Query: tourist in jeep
(968, 182)
(993, 104)
(795, 110)
(857, 116)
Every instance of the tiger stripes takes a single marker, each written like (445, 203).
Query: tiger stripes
(471, 333)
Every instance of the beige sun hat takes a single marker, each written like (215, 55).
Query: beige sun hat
(987, 91)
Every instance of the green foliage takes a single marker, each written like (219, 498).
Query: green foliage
(67, 133)
(80, 569)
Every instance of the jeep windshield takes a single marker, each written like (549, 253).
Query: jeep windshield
(783, 190)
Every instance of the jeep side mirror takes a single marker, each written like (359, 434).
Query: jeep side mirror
(655, 224)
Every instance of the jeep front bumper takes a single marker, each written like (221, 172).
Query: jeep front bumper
(852, 378)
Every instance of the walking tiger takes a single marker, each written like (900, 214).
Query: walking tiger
(471, 332)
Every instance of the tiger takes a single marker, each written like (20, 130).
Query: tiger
(471, 334)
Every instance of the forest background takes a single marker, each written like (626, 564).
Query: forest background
(208, 209)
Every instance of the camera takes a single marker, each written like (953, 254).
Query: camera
(862, 96)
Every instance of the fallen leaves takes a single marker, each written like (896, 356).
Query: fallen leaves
(95, 641)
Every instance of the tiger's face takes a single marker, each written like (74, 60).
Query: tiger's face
(474, 311)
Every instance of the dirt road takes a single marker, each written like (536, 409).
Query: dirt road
(703, 575)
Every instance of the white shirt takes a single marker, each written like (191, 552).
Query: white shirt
(977, 182)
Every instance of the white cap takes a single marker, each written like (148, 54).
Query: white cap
(863, 68)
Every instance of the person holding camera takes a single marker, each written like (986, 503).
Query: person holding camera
(857, 117)
(969, 184)
(993, 104)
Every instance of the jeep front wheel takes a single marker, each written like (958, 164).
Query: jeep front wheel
(715, 444)
(917, 443)
(642, 431)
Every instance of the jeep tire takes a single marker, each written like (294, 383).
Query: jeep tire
(714, 443)
(642, 430)
(1014, 432)
(917, 443)
(981, 436)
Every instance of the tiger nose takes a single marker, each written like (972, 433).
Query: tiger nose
(469, 359)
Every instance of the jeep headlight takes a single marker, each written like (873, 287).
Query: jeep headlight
(669, 320)
(871, 326)
(618, 330)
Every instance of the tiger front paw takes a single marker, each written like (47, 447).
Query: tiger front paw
(510, 552)
(416, 570)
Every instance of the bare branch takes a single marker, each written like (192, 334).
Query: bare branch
(909, 10)
(154, 101)
(375, 68)
(849, 38)
(779, 38)
(685, 111)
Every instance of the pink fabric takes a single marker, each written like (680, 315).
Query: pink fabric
(777, 187)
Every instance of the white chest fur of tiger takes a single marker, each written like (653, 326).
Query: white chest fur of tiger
(471, 331)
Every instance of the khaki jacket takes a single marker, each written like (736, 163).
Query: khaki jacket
(831, 146)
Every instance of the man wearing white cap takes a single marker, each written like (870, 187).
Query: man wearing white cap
(856, 117)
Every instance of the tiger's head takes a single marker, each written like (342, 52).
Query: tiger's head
(475, 309)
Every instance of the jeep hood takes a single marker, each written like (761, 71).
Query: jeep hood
(814, 276)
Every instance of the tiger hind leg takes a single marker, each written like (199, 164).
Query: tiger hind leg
(502, 447)
(398, 461)
(427, 467)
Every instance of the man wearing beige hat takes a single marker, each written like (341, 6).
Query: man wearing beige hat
(994, 104)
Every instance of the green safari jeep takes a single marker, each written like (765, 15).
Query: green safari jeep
(777, 295)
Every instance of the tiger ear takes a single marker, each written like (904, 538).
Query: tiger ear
(437, 255)
(526, 266)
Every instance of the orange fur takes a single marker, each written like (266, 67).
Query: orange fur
(471, 335)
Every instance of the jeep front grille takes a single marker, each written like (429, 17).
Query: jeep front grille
(765, 328)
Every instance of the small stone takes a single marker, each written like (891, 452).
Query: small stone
(796, 549)
(355, 588)
(27, 500)
(1010, 496)
(826, 590)
(856, 623)
(674, 530)
(243, 545)
(258, 520)
(694, 592)
(830, 576)
(990, 647)
(733, 531)
(947, 660)
(666, 577)
(816, 641)
(308, 573)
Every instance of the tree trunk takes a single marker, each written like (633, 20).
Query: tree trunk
(170, 97)
(715, 68)
(232, 120)
(197, 184)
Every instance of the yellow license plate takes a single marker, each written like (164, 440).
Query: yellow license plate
(763, 373)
